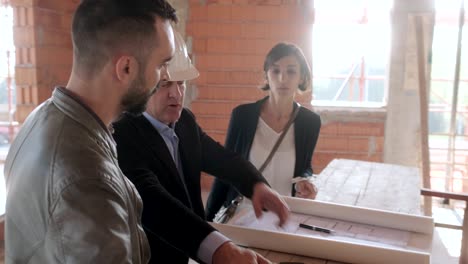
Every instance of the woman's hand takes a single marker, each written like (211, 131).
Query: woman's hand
(306, 189)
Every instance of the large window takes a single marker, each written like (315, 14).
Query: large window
(448, 106)
(351, 42)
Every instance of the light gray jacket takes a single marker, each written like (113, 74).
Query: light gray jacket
(67, 199)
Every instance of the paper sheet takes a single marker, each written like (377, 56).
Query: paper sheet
(342, 230)
(362, 235)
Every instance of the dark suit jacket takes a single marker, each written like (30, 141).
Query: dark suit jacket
(173, 213)
(240, 135)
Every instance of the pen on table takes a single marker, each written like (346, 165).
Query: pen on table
(316, 228)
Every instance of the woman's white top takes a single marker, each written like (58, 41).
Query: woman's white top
(280, 170)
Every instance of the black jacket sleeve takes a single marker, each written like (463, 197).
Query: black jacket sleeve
(219, 161)
(163, 215)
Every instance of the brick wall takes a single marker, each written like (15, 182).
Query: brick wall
(43, 49)
(230, 39)
(349, 134)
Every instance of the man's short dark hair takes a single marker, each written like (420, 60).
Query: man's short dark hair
(103, 28)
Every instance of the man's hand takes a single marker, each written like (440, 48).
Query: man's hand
(306, 189)
(229, 253)
(265, 198)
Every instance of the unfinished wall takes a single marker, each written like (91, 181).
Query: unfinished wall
(230, 39)
(43, 49)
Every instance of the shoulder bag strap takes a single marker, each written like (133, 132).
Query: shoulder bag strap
(278, 142)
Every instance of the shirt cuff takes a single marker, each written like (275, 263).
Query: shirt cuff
(301, 178)
(209, 245)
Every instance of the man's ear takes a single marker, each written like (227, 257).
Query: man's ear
(126, 69)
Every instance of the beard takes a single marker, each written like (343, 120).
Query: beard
(136, 99)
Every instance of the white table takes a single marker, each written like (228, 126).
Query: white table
(370, 184)
(364, 184)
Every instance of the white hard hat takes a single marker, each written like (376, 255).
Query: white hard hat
(180, 67)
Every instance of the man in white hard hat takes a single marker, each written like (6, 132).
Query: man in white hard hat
(163, 152)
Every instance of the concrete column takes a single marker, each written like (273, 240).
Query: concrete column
(403, 128)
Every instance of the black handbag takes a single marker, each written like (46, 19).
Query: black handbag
(225, 213)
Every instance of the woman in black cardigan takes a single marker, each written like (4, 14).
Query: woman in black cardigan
(255, 127)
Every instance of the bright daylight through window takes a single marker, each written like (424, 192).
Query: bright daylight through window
(351, 43)
(7, 66)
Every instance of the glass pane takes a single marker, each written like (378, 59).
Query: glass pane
(439, 121)
(349, 60)
(449, 171)
(438, 141)
(444, 51)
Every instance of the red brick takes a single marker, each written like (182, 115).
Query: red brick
(229, 62)
(210, 29)
(23, 110)
(23, 57)
(21, 12)
(25, 75)
(329, 129)
(19, 94)
(197, 13)
(358, 144)
(16, 16)
(230, 93)
(30, 13)
(380, 142)
(20, 56)
(269, 13)
(24, 36)
(322, 159)
(239, 46)
(218, 2)
(30, 94)
(68, 6)
(31, 56)
(199, 46)
(54, 55)
(234, 77)
(243, 13)
(213, 108)
(43, 93)
(15, 3)
(332, 143)
(265, 2)
(45, 36)
(66, 22)
(27, 97)
(216, 45)
(218, 13)
(252, 30)
(361, 129)
(48, 18)
(53, 75)
(209, 123)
